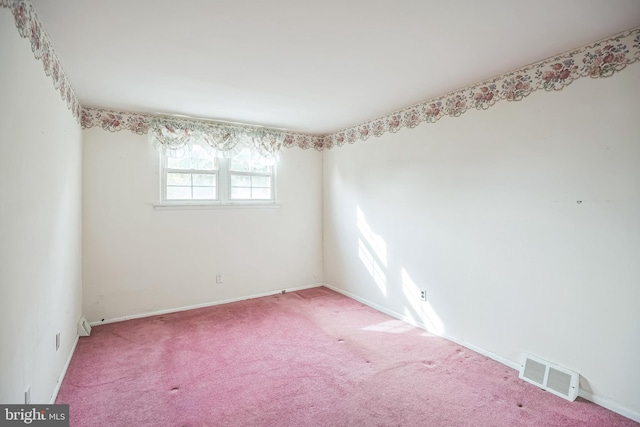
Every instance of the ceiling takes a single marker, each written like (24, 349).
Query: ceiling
(307, 66)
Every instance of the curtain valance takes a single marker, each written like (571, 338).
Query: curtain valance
(175, 138)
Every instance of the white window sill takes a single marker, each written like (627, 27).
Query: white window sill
(204, 206)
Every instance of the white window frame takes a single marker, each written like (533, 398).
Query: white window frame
(223, 189)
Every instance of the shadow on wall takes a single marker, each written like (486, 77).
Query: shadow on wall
(372, 252)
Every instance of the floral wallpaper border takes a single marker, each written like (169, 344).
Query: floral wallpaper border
(114, 121)
(30, 27)
(600, 59)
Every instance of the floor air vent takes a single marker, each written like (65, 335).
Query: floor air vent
(84, 329)
(555, 379)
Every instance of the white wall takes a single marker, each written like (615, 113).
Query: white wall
(484, 212)
(139, 260)
(40, 214)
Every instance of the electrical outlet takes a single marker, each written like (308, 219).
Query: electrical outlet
(27, 396)
(423, 295)
(57, 341)
(219, 278)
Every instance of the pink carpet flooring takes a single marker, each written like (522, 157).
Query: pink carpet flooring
(307, 358)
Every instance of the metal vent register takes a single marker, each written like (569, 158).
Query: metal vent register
(552, 378)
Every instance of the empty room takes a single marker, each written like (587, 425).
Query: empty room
(320, 213)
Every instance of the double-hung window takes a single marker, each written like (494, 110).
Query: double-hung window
(199, 178)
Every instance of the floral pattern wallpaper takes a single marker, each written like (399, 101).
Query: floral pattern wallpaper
(600, 59)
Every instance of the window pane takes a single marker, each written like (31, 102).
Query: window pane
(178, 179)
(179, 163)
(250, 187)
(204, 193)
(240, 181)
(198, 159)
(249, 161)
(240, 193)
(241, 162)
(258, 163)
(261, 193)
(178, 193)
(261, 167)
(203, 164)
(197, 152)
(261, 181)
(208, 180)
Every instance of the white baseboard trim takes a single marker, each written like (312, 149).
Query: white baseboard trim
(605, 403)
(54, 396)
(610, 405)
(202, 305)
(413, 322)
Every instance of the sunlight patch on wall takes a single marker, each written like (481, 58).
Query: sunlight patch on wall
(418, 310)
(372, 267)
(375, 242)
(372, 251)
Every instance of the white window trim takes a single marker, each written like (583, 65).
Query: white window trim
(223, 191)
(210, 206)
